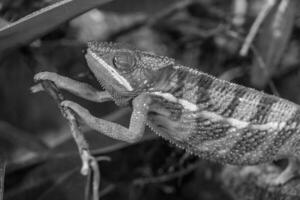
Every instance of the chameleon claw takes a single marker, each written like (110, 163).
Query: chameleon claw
(74, 107)
(36, 88)
(67, 104)
(44, 76)
(70, 105)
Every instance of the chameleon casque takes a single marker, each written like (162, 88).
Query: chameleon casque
(209, 117)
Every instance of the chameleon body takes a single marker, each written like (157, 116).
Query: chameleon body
(209, 117)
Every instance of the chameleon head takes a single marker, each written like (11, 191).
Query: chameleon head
(124, 70)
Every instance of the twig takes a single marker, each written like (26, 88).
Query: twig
(2, 176)
(239, 12)
(166, 177)
(169, 11)
(107, 190)
(150, 21)
(255, 26)
(120, 145)
(89, 162)
(22, 138)
(232, 73)
(261, 63)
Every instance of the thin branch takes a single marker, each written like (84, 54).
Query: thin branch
(22, 138)
(239, 12)
(169, 11)
(89, 162)
(2, 176)
(108, 189)
(232, 73)
(261, 63)
(166, 177)
(121, 145)
(150, 21)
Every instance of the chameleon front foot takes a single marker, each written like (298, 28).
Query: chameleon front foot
(80, 89)
(110, 129)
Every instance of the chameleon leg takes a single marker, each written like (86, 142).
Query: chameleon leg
(80, 89)
(116, 131)
(288, 173)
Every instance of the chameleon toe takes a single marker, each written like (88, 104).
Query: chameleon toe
(43, 76)
(36, 88)
(81, 111)
(68, 104)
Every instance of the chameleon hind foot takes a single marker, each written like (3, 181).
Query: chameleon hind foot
(290, 172)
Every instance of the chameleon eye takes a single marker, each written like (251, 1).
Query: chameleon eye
(124, 61)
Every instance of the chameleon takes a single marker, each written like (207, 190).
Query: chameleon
(209, 117)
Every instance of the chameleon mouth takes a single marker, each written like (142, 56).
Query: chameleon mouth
(95, 61)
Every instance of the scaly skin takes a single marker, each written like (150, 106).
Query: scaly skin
(211, 118)
(233, 124)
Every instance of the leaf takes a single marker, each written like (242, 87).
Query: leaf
(42, 21)
(272, 41)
